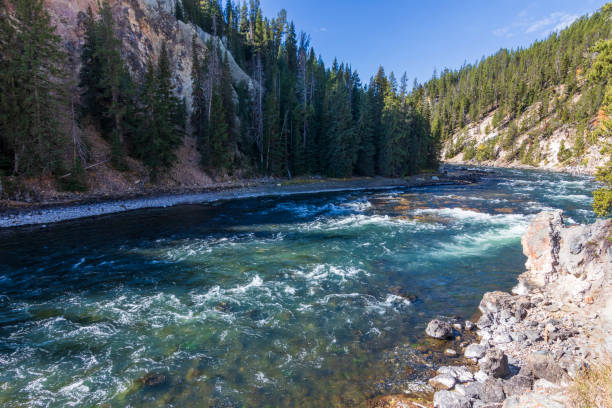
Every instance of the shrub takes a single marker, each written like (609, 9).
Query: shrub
(592, 388)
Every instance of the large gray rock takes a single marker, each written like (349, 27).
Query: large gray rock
(495, 302)
(575, 262)
(492, 391)
(518, 385)
(475, 351)
(532, 400)
(480, 404)
(449, 399)
(460, 373)
(439, 329)
(495, 364)
(501, 338)
(471, 391)
(543, 365)
(443, 382)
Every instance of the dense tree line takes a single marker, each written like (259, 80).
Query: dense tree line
(31, 67)
(512, 80)
(298, 116)
(602, 70)
(301, 117)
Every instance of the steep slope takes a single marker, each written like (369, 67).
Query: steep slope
(533, 106)
(143, 26)
(529, 140)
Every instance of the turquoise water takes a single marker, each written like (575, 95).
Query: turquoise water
(295, 301)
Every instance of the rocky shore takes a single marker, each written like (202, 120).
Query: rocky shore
(19, 214)
(534, 341)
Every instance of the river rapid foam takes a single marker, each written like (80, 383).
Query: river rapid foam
(272, 300)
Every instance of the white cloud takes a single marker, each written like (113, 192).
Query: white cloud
(555, 21)
(523, 24)
(503, 32)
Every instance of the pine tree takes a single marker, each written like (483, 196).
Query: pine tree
(163, 115)
(178, 11)
(341, 150)
(219, 133)
(105, 82)
(199, 106)
(30, 86)
(602, 71)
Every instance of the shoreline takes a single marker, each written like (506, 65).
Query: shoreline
(29, 214)
(536, 340)
(512, 165)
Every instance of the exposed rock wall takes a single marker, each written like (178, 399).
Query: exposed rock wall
(143, 26)
(547, 148)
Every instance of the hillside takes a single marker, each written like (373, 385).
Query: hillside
(138, 95)
(142, 27)
(527, 107)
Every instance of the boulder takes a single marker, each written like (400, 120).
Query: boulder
(449, 399)
(492, 391)
(439, 329)
(484, 321)
(471, 391)
(475, 351)
(460, 373)
(501, 338)
(480, 404)
(518, 385)
(495, 302)
(531, 400)
(443, 382)
(543, 366)
(481, 376)
(495, 364)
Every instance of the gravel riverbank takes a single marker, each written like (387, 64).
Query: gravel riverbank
(40, 213)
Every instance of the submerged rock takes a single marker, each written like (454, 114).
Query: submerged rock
(152, 380)
(450, 352)
(439, 329)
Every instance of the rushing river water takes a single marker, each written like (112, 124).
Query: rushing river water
(294, 301)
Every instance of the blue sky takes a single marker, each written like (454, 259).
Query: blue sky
(416, 36)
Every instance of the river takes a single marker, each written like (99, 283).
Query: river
(292, 301)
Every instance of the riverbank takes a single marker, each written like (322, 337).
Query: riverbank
(16, 214)
(573, 170)
(536, 341)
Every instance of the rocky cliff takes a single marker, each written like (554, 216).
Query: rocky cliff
(541, 142)
(143, 26)
(557, 321)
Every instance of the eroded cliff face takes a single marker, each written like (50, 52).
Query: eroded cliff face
(142, 26)
(538, 150)
(572, 263)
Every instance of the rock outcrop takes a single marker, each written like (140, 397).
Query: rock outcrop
(557, 320)
(142, 26)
